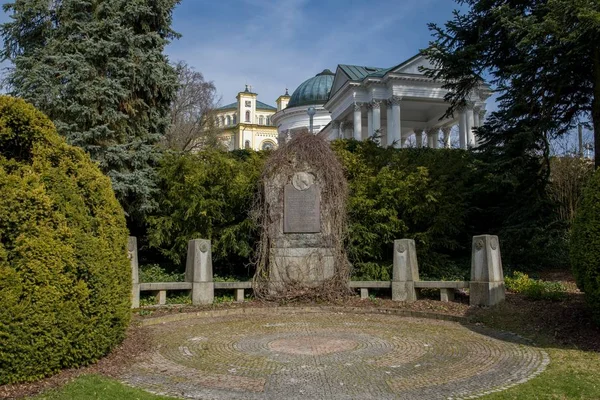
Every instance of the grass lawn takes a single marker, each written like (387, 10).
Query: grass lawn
(88, 387)
(563, 329)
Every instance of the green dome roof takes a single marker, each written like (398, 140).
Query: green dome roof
(313, 91)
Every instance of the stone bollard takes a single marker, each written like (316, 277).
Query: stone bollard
(198, 270)
(487, 280)
(406, 270)
(132, 254)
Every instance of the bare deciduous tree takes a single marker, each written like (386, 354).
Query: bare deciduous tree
(193, 122)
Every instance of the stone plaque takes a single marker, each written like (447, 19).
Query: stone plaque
(301, 210)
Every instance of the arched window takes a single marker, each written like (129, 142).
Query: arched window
(222, 120)
(247, 116)
(267, 145)
(247, 144)
(228, 120)
(234, 119)
(261, 120)
(268, 121)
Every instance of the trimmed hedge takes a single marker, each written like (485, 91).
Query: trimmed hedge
(585, 245)
(65, 279)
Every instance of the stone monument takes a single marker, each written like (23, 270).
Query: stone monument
(303, 216)
(301, 251)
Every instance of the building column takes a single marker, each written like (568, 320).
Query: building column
(433, 137)
(335, 129)
(481, 119)
(476, 124)
(376, 106)
(369, 120)
(394, 122)
(462, 128)
(390, 124)
(419, 137)
(357, 121)
(470, 126)
(447, 130)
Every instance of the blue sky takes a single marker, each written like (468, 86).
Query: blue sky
(274, 45)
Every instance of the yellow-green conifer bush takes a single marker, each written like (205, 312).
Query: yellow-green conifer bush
(65, 280)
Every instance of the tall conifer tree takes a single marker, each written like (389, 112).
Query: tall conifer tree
(97, 69)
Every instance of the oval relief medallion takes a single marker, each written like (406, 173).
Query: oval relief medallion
(303, 180)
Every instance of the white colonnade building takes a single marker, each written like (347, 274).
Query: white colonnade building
(399, 106)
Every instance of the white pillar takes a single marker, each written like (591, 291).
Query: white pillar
(446, 130)
(419, 137)
(369, 120)
(376, 105)
(357, 122)
(433, 137)
(470, 126)
(396, 133)
(430, 134)
(335, 129)
(481, 122)
(477, 123)
(390, 123)
(462, 129)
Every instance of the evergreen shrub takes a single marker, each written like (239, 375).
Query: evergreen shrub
(438, 197)
(585, 245)
(208, 195)
(65, 280)
(421, 194)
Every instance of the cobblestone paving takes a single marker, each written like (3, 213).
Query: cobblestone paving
(299, 355)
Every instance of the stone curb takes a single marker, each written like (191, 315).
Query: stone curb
(313, 309)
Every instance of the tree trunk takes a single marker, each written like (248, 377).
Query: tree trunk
(596, 107)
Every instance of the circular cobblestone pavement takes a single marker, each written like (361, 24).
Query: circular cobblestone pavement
(326, 355)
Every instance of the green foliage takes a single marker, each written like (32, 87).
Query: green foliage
(411, 193)
(97, 387)
(440, 198)
(208, 195)
(585, 245)
(65, 280)
(154, 273)
(96, 68)
(533, 288)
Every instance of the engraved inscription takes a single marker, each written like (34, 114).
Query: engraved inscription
(301, 210)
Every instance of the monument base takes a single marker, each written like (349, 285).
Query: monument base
(305, 266)
(404, 291)
(203, 292)
(486, 293)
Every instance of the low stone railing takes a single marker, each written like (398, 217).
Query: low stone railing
(486, 287)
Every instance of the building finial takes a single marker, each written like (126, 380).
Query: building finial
(246, 88)
(286, 92)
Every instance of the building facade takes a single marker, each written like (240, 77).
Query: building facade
(247, 123)
(398, 106)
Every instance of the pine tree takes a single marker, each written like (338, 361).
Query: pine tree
(97, 69)
(542, 57)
